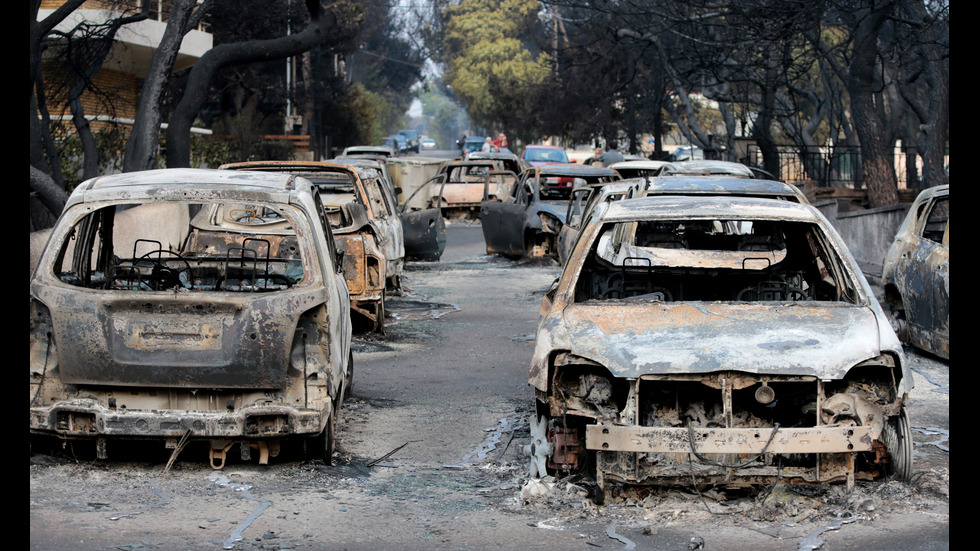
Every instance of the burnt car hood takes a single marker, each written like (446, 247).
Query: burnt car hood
(795, 339)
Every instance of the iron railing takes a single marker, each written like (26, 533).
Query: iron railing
(837, 166)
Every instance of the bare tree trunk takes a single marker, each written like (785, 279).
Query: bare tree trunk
(90, 151)
(39, 30)
(879, 172)
(144, 139)
(100, 51)
(50, 194)
(178, 133)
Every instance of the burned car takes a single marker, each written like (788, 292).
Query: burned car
(509, 160)
(583, 203)
(376, 162)
(585, 199)
(717, 340)
(185, 304)
(916, 273)
(528, 221)
(461, 194)
(365, 226)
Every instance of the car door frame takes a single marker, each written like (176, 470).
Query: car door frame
(503, 222)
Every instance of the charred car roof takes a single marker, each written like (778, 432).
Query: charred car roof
(683, 206)
(724, 185)
(191, 182)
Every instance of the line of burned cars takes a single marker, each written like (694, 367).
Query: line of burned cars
(716, 339)
(214, 305)
(366, 224)
(189, 304)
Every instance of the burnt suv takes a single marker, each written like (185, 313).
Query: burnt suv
(186, 304)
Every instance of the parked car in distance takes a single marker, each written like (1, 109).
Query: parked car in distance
(402, 145)
(716, 340)
(527, 222)
(364, 223)
(915, 273)
(428, 143)
(474, 143)
(376, 150)
(392, 144)
(537, 155)
(687, 153)
(185, 304)
(411, 140)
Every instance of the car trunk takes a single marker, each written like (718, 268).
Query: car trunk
(168, 341)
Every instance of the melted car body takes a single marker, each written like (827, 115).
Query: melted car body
(915, 274)
(717, 340)
(191, 304)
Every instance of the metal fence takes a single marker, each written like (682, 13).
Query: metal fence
(838, 166)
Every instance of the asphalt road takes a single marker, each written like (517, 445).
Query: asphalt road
(431, 458)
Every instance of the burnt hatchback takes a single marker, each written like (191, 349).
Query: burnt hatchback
(717, 340)
(180, 305)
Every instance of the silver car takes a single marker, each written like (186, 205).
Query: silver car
(716, 340)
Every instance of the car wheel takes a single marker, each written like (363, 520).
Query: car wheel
(897, 438)
(896, 317)
(349, 384)
(380, 315)
(322, 445)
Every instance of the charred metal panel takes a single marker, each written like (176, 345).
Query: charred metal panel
(633, 339)
(425, 234)
(503, 228)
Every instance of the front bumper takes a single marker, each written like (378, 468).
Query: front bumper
(661, 455)
(833, 439)
(89, 419)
